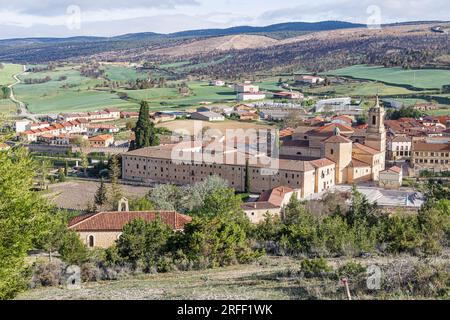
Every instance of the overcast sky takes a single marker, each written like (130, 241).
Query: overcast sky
(64, 18)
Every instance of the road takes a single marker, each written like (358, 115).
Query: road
(23, 110)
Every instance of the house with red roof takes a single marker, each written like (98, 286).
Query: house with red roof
(103, 229)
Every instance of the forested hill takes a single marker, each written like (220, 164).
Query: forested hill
(37, 50)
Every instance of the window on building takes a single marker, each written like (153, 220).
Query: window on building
(91, 241)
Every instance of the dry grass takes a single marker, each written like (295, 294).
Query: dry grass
(273, 278)
(77, 194)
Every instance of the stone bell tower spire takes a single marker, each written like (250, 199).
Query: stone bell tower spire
(376, 133)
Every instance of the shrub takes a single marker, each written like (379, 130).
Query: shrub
(47, 274)
(315, 267)
(73, 251)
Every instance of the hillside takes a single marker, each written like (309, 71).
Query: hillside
(217, 44)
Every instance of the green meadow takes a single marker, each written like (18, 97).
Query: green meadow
(7, 73)
(124, 74)
(200, 91)
(79, 95)
(358, 89)
(7, 106)
(421, 79)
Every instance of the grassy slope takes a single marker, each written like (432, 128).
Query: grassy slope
(50, 97)
(424, 79)
(6, 74)
(7, 106)
(272, 279)
(124, 74)
(201, 91)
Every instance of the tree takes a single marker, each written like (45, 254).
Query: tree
(54, 229)
(193, 196)
(116, 192)
(166, 197)
(22, 212)
(142, 204)
(222, 202)
(72, 250)
(144, 242)
(145, 131)
(248, 186)
(5, 92)
(101, 196)
(217, 242)
(84, 163)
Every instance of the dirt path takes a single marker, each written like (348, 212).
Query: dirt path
(22, 107)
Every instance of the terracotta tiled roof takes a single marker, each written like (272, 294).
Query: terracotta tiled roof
(358, 164)
(275, 196)
(258, 206)
(344, 118)
(320, 163)
(366, 148)
(338, 139)
(332, 126)
(115, 221)
(423, 146)
(395, 169)
(102, 137)
(401, 139)
(296, 143)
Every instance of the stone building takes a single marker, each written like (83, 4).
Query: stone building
(430, 156)
(399, 148)
(358, 154)
(188, 163)
(103, 229)
(391, 178)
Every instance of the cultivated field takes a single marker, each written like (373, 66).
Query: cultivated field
(358, 89)
(76, 93)
(200, 91)
(7, 106)
(124, 74)
(422, 79)
(77, 194)
(195, 127)
(7, 72)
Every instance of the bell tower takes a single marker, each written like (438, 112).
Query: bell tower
(376, 133)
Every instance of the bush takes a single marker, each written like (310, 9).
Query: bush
(351, 270)
(315, 267)
(47, 274)
(73, 251)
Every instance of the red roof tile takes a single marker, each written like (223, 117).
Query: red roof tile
(115, 221)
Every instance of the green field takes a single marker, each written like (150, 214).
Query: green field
(7, 72)
(51, 97)
(7, 106)
(201, 91)
(358, 89)
(421, 79)
(124, 74)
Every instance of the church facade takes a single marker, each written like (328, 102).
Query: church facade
(359, 154)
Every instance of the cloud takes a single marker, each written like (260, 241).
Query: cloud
(59, 7)
(23, 18)
(361, 11)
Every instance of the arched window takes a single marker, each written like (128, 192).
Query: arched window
(332, 151)
(91, 241)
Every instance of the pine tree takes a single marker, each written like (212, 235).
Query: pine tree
(247, 177)
(145, 131)
(101, 196)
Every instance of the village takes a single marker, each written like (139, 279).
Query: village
(326, 148)
(296, 161)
